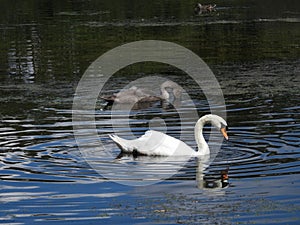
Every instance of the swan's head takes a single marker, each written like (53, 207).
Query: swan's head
(176, 90)
(217, 122)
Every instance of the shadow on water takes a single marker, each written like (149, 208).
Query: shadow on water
(252, 48)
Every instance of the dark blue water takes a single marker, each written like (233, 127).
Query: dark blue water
(251, 47)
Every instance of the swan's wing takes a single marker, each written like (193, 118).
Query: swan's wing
(131, 95)
(142, 92)
(141, 144)
(127, 92)
(108, 98)
(154, 143)
(128, 146)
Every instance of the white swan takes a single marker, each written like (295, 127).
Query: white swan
(135, 94)
(155, 143)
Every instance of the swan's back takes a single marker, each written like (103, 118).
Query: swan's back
(154, 143)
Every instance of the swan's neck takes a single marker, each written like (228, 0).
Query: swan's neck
(164, 94)
(202, 145)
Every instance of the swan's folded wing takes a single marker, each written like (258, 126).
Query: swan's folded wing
(143, 144)
(157, 143)
(153, 143)
(165, 145)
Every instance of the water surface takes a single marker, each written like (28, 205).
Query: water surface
(251, 46)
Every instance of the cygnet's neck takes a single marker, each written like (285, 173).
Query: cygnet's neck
(176, 90)
(164, 94)
(203, 148)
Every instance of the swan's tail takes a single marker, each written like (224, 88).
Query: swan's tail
(123, 144)
(108, 99)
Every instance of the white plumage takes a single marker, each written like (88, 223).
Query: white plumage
(155, 143)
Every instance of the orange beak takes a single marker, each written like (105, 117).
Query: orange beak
(225, 176)
(223, 131)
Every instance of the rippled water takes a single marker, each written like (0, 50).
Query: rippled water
(254, 54)
(45, 179)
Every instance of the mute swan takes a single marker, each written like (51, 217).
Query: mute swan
(155, 143)
(134, 94)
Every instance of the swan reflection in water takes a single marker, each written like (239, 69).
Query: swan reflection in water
(158, 144)
(175, 167)
(218, 180)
